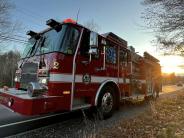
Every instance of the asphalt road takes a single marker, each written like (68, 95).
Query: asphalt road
(9, 119)
(171, 88)
(12, 123)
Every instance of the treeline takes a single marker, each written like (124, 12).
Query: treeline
(171, 79)
(8, 66)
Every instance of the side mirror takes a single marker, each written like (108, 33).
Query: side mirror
(93, 43)
(93, 40)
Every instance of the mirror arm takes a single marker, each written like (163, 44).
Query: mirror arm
(104, 58)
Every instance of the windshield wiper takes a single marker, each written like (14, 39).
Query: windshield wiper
(42, 40)
(30, 51)
(33, 47)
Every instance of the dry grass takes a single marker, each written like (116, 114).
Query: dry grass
(164, 119)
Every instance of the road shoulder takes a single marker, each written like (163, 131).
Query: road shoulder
(164, 118)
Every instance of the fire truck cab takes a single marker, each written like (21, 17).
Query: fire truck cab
(68, 67)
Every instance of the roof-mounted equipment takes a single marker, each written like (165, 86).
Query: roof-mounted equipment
(33, 34)
(52, 23)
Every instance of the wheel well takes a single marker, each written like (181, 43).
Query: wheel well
(116, 88)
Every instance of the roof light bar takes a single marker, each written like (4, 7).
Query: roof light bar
(69, 20)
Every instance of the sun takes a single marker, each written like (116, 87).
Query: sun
(172, 64)
(172, 69)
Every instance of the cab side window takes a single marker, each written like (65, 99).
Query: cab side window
(84, 48)
(85, 45)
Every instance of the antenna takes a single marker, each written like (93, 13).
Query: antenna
(78, 14)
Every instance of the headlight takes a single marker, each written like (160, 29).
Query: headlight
(17, 76)
(43, 80)
(16, 79)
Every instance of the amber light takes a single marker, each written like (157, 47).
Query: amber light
(66, 92)
(69, 20)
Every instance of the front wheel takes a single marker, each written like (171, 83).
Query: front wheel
(106, 102)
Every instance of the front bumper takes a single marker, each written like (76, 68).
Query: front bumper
(22, 103)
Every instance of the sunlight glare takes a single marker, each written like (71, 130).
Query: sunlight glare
(172, 64)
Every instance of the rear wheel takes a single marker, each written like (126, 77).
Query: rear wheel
(106, 102)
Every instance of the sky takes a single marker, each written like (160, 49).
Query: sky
(122, 17)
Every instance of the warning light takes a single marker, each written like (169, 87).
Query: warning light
(66, 92)
(69, 20)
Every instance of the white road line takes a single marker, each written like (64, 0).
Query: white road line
(30, 120)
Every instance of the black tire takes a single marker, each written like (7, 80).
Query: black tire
(106, 102)
(154, 96)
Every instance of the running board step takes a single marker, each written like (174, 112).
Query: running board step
(134, 98)
(83, 106)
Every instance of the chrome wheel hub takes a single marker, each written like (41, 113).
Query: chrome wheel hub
(107, 102)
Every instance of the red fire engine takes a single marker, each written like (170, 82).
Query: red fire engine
(68, 67)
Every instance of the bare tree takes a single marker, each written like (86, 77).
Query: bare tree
(8, 27)
(8, 66)
(5, 21)
(166, 18)
(92, 25)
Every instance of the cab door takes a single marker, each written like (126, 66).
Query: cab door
(86, 68)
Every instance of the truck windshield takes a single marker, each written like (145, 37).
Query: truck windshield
(64, 41)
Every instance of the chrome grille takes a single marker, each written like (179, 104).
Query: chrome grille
(29, 74)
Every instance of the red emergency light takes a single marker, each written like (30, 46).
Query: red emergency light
(69, 20)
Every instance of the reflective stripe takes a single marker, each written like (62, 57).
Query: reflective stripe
(142, 81)
(127, 80)
(78, 78)
(64, 78)
(98, 79)
(121, 80)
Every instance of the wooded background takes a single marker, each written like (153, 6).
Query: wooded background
(8, 66)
